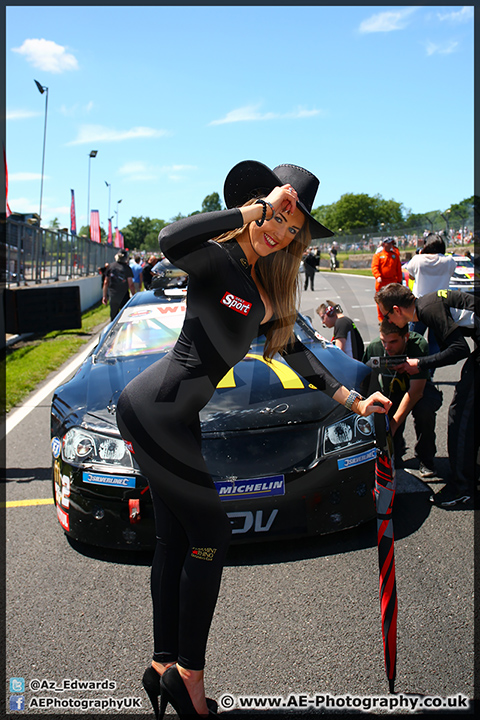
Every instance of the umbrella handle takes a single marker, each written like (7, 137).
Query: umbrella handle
(380, 421)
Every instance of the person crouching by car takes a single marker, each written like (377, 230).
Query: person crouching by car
(452, 315)
(345, 333)
(118, 283)
(416, 395)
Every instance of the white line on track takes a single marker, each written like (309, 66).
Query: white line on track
(16, 416)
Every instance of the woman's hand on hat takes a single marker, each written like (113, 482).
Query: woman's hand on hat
(283, 198)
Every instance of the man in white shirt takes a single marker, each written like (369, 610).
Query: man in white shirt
(431, 269)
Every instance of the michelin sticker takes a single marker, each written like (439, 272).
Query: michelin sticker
(56, 447)
(353, 460)
(254, 488)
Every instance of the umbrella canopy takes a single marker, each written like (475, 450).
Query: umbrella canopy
(384, 492)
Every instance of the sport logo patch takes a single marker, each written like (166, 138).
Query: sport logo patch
(235, 303)
(204, 553)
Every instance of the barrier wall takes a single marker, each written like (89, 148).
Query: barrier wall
(90, 290)
(90, 294)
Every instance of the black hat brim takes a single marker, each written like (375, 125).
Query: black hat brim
(251, 179)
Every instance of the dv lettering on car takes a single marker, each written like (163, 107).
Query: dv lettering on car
(243, 522)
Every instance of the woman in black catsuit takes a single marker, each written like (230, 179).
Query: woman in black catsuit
(240, 285)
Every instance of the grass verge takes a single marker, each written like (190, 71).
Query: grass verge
(349, 271)
(30, 362)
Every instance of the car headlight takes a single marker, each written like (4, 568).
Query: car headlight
(349, 431)
(84, 446)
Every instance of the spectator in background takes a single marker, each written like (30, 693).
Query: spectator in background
(147, 271)
(386, 267)
(118, 283)
(333, 255)
(431, 270)
(310, 264)
(416, 395)
(102, 270)
(345, 333)
(137, 268)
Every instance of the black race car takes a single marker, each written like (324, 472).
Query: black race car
(286, 459)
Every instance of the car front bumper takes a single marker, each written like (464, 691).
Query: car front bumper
(334, 495)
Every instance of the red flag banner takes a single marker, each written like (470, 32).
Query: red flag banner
(117, 238)
(109, 231)
(73, 220)
(8, 211)
(95, 225)
(122, 239)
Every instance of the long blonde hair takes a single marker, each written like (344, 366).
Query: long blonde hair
(278, 275)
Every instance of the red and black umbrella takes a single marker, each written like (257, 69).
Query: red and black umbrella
(384, 492)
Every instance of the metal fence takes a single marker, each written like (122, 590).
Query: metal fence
(30, 254)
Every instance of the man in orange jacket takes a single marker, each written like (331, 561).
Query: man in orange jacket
(386, 267)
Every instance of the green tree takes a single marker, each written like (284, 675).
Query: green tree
(461, 213)
(141, 233)
(354, 212)
(389, 211)
(211, 203)
(85, 231)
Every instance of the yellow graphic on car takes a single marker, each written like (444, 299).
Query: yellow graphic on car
(288, 377)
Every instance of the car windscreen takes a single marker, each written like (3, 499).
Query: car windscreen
(143, 330)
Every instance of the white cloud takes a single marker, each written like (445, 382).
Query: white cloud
(463, 15)
(24, 176)
(141, 171)
(98, 133)
(243, 114)
(387, 21)
(47, 55)
(433, 48)
(21, 114)
(302, 113)
(74, 110)
(250, 113)
(23, 205)
(176, 173)
(135, 171)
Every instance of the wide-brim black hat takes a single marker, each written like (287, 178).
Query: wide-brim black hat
(250, 179)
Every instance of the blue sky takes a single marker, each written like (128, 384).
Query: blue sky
(372, 99)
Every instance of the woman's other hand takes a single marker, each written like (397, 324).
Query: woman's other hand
(376, 403)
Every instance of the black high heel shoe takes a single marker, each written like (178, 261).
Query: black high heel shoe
(174, 691)
(152, 685)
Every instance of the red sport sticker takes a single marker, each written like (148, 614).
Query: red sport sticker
(235, 303)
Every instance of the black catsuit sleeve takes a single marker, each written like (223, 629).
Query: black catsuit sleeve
(306, 364)
(184, 242)
(432, 309)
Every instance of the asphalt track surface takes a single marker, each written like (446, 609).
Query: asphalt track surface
(293, 617)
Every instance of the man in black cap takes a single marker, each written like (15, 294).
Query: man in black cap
(118, 282)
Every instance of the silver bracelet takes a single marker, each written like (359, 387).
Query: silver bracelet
(352, 396)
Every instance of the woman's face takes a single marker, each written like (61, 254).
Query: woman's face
(277, 233)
